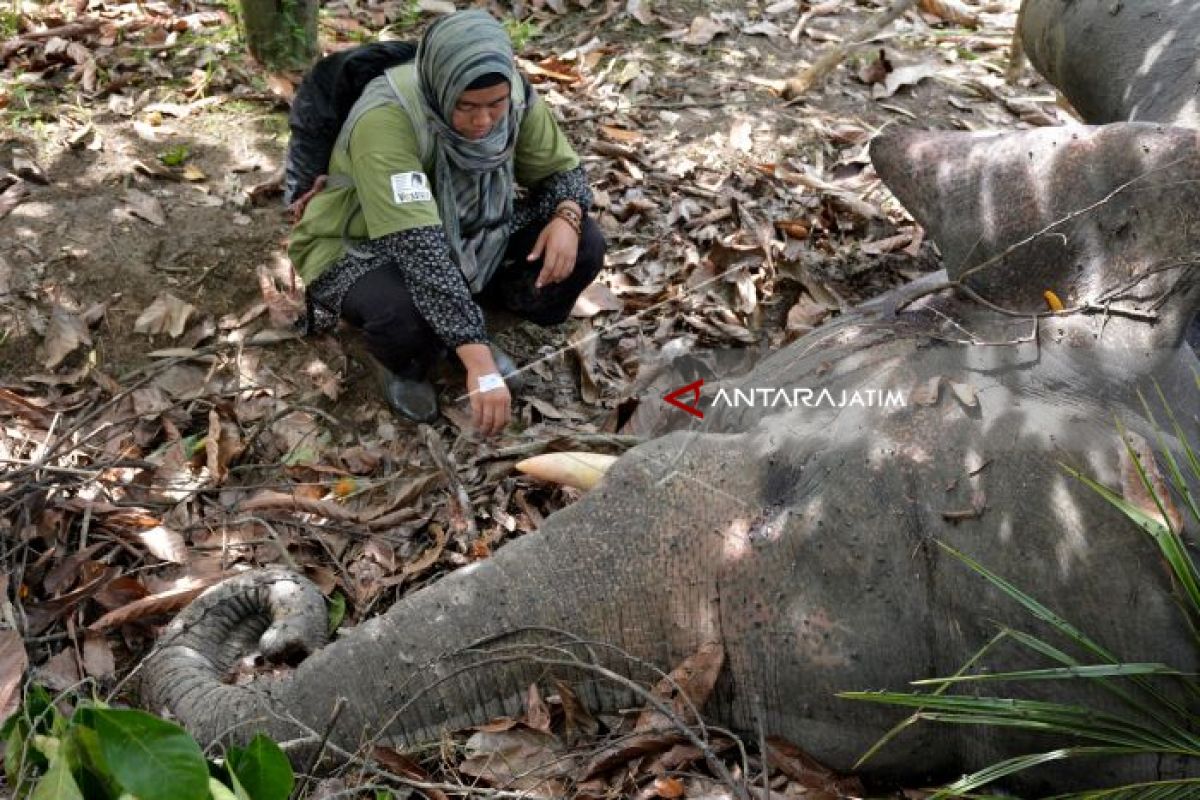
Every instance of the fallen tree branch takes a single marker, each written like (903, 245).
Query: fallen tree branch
(458, 492)
(69, 31)
(571, 441)
(794, 87)
(829, 7)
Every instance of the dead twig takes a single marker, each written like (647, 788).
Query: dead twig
(68, 31)
(570, 441)
(820, 9)
(338, 706)
(458, 492)
(802, 83)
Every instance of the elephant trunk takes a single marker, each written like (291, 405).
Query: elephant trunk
(460, 652)
(275, 612)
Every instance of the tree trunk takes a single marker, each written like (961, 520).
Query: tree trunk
(281, 34)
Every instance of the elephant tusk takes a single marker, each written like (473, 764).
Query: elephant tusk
(581, 470)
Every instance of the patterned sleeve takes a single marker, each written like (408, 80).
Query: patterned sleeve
(437, 286)
(569, 184)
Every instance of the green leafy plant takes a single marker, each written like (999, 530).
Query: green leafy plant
(520, 31)
(102, 753)
(175, 156)
(1151, 722)
(10, 24)
(408, 15)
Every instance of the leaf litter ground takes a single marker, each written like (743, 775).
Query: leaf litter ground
(162, 427)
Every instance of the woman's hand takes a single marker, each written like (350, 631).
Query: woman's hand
(557, 246)
(491, 408)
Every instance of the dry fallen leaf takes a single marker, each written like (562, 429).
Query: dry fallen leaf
(950, 10)
(805, 315)
(578, 722)
(669, 788)
(817, 779)
(596, 299)
(60, 673)
(901, 77)
(13, 663)
(98, 658)
(65, 332)
(1134, 491)
(281, 292)
(640, 11)
(167, 314)
(430, 556)
(519, 758)
(143, 206)
(622, 135)
(165, 544)
(686, 689)
(160, 603)
(701, 32)
(404, 766)
(965, 393)
(537, 714)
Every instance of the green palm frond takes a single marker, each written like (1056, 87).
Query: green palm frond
(1152, 722)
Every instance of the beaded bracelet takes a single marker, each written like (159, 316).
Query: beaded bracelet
(570, 216)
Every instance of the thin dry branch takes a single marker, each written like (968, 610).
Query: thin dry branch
(805, 81)
(69, 31)
(458, 492)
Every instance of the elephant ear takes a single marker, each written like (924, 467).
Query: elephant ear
(1079, 211)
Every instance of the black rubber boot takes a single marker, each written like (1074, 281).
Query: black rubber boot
(413, 398)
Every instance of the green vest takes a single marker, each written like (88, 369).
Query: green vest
(389, 140)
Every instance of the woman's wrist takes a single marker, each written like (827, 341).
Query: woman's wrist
(569, 212)
(476, 357)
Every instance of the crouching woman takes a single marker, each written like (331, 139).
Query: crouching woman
(418, 224)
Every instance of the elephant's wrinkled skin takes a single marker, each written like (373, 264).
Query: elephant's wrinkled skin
(803, 538)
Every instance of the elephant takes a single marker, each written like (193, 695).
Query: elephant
(797, 521)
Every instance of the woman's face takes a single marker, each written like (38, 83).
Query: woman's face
(478, 110)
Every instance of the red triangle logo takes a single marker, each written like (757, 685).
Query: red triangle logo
(693, 407)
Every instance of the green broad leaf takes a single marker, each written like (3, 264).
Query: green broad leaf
(47, 746)
(219, 791)
(150, 757)
(40, 710)
(58, 783)
(262, 769)
(10, 724)
(337, 610)
(13, 746)
(239, 791)
(89, 748)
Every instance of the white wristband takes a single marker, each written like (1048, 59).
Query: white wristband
(490, 382)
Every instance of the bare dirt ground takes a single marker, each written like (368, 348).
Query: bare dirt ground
(161, 426)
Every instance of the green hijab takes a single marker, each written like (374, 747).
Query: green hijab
(474, 177)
